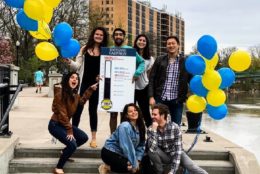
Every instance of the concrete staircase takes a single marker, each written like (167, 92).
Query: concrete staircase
(43, 160)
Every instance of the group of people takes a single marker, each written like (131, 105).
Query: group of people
(160, 83)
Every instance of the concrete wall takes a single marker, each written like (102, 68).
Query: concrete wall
(7, 146)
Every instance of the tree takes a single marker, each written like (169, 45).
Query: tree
(224, 55)
(6, 52)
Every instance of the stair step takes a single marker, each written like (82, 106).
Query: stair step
(95, 153)
(90, 165)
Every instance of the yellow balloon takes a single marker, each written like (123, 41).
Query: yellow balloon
(196, 104)
(239, 60)
(43, 31)
(211, 64)
(34, 9)
(211, 80)
(216, 97)
(52, 3)
(46, 51)
(48, 13)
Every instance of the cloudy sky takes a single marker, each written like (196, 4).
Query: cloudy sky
(230, 22)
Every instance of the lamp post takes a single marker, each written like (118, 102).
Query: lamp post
(17, 49)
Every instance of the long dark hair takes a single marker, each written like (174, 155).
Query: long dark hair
(91, 41)
(139, 121)
(146, 53)
(67, 93)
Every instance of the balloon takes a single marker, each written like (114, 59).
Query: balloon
(211, 80)
(15, 3)
(48, 13)
(228, 77)
(62, 34)
(43, 31)
(46, 51)
(197, 87)
(207, 46)
(216, 97)
(195, 65)
(71, 49)
(52, 3)
(211, 64)
(25, 22)
(34, 9)
(196, 104)
(217, 113)
(239, 60)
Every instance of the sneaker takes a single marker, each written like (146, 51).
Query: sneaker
(102, 169)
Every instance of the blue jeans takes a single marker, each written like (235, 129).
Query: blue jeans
(59, 131)
(175, 109)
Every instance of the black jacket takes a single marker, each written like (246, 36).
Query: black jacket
(158, 76)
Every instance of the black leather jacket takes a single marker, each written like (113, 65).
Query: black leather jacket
(158, 76)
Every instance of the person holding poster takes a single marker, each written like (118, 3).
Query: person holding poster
(168, 82)
(87, 65)
(119, 38)
(123, 151)
(141, 44)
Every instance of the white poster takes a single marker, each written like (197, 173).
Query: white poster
(117, 68)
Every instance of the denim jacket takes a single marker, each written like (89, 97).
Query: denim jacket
(125, 141)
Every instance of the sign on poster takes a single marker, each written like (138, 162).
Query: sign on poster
(117, 67)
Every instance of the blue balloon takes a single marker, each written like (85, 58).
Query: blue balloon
(228, 77)
(15, 3)
(217, 113)
(195, 65)
(71, 49)
(207, 46)
(197, 87)
(25, 22)
(62, 34)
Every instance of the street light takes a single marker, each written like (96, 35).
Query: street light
(17, 48)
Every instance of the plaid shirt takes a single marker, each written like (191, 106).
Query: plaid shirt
(169, 141)
(170, 89)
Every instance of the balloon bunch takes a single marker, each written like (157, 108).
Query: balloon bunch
(207, 84)
(34, 16)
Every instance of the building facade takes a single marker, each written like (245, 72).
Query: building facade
(137, 17)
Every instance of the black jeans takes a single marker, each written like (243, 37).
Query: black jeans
(59, 131)
(141, 97)
(92, 109)
(116, 162)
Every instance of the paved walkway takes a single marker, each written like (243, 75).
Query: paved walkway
(29, 121)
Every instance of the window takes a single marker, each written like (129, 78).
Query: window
(107, 2)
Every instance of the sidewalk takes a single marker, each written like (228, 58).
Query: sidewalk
(29, 121)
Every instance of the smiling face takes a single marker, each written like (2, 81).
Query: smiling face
(99, 36)
(73, 81)
(119, 38)
(132, 113)
(141, 42)
(172, 46)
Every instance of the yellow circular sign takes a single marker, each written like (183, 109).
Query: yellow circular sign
(106, 104)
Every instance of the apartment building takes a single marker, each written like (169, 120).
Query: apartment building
(137, 17)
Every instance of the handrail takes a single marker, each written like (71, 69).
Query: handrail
(2, 127)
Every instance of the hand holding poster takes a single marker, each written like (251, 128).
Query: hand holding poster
(117, 67)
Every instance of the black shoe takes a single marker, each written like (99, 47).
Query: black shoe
(36, 91)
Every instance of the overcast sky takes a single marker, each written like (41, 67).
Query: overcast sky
(230, 22)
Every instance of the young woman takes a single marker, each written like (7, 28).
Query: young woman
(141, 44)
(87, 65)
(124, 150)
(65, 103)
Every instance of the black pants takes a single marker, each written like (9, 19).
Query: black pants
(116, 162)
(92, 109)
(141, 97)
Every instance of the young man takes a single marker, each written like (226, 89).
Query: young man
(119, 38)
(164, 143)
(168, 82)
(38, 78)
